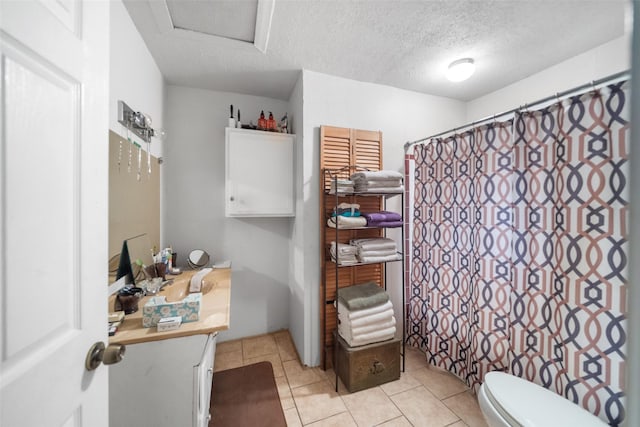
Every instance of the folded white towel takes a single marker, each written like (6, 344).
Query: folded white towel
(373, 259)
(368, 175)
(343, 249)
(370, 338)
(379, 183)
(374, 243)
(394, 189)
(376, 252)
(367, 320)
(355, 332)
(347, 221)
(357, 314)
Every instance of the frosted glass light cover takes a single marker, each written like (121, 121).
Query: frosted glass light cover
(460, 70)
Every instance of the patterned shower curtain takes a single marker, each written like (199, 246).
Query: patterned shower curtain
(519, 249)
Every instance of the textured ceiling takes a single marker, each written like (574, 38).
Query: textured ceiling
(405, 44)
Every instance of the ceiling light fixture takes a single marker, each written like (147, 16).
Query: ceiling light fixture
(460, 70)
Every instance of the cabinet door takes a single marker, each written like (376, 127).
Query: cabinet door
(259, 173)
(203, 383)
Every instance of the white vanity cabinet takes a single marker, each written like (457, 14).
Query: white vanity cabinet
(164, 383)
(259, 173)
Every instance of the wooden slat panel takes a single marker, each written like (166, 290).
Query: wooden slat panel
(341, 147)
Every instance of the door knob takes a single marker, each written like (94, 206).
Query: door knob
(99, 354)
(113, 354)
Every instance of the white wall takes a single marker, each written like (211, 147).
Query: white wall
(297, 294)
(134, 75)
(600, 62)
(194, 216)
(401, 116)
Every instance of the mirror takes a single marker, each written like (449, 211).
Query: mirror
(134, 206)
(136, 253)
(198, 258)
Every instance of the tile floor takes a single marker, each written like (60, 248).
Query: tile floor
(423, 396)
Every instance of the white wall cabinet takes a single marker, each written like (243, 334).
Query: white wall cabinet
(259, 173)
(163, 383)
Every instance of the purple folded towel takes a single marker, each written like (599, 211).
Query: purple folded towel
(385, 224)
(382, 216)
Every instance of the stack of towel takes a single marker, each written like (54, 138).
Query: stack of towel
(347, 215)
(376, 249)
(343, 254)
(377, 182)
(365, 315)
(383, 219)
(347, 221)
(347, 209)
(344, 186)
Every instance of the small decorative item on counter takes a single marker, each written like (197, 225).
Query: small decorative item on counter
(232, 121)
(271, 123)
(284, 124)
(239, 124)
(262, 122)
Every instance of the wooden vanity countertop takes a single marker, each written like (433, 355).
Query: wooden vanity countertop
(214, 311)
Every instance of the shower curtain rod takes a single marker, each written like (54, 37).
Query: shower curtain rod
(557, 96)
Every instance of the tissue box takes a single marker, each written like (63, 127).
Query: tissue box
(158, 307)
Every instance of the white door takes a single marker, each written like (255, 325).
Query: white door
(53, 211)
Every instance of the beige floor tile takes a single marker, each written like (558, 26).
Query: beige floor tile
(298, 375)
(465, 405)
(405, 383)
(396, 422)
(278, 371)
(423, 409)
(286, 398)
(228, 360)
(286, 349)
(414, 359)
(281, 334)
(317, 401)
(228, 346)
(439, 382)
(292, 418)
(458, 424)
(370, 407)
(343, 419)
(258, 346)
(330, 376)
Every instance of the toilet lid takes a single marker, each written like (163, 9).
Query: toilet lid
(529, 404)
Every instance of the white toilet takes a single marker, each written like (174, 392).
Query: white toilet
(509, 401)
